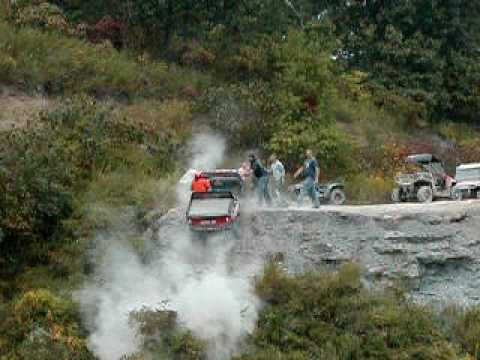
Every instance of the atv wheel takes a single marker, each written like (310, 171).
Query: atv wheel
(337, 197)
(425, 194)
(396, 195)
(457, 195)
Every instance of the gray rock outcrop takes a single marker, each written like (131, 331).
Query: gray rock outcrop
(433, 249)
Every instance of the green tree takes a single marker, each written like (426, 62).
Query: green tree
(427, 50)
(305, 97)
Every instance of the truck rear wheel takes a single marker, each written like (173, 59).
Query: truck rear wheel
(425, 194)
(457, 195)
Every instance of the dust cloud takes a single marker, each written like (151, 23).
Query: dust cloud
(206, 151)
(213, 300)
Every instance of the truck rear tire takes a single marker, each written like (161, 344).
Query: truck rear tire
(457, 195)
(425, 194)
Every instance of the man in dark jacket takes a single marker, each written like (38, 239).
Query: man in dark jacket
(311, 172)
(260, 175)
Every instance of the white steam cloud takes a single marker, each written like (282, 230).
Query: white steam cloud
(215, 302)
(207, 151)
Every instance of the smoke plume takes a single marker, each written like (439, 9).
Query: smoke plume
(207, 151)
(215, 302)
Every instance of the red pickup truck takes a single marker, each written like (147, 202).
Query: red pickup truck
(212, 211)
(219, 208)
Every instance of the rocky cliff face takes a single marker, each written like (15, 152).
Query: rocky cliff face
(433, 249)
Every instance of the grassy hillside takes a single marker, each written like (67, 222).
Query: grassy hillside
(105, 136)
(92, 128)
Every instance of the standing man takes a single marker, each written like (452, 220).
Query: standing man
(260, 175)
(311, 173)
(278, 173)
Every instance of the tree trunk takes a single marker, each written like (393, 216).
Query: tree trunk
(7, 5)
(169, 22)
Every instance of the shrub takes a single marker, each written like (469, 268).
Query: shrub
(45, 167)
(42, 325)
(367, 189)
(166, 126)
(146, 197)
(55, 64)
(467, 330)
(44, 16)
(252, 62)
(232, 111)
(36, 179)
(331, 316)
(468, 150)
(108, 29)
(466, 141)
(191, 53)
(163, 337)
(333, 147)
(144, 136)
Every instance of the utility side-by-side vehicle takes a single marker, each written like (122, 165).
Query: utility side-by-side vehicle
(427, 182)
(468, 181)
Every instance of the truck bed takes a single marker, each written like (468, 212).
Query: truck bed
(209, 207)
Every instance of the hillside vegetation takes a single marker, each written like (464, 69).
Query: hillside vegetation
(122, 86)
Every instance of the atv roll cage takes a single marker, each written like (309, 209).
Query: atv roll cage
(423, 159)
(429, 163)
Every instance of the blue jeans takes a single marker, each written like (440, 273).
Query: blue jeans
(262, 190)
(277, 190)
(308, 188)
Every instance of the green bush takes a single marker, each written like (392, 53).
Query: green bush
(365, 188)
(332, 147)
(44, 16)
(40, 326)
(46, 167)
(36, 180)
(164, 338)
(234, 112)
(191, 53)
(467, 331)
(99, 140)
(329, 315)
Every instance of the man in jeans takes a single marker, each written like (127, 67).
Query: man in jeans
(260, 175)
(310, 172)
(278, 174)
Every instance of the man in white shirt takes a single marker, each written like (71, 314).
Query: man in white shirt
(278, 176)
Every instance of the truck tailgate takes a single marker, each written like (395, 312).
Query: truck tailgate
(209, 207)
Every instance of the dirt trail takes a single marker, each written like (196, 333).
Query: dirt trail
(434, 249)
(16, 109)
(436, 207)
